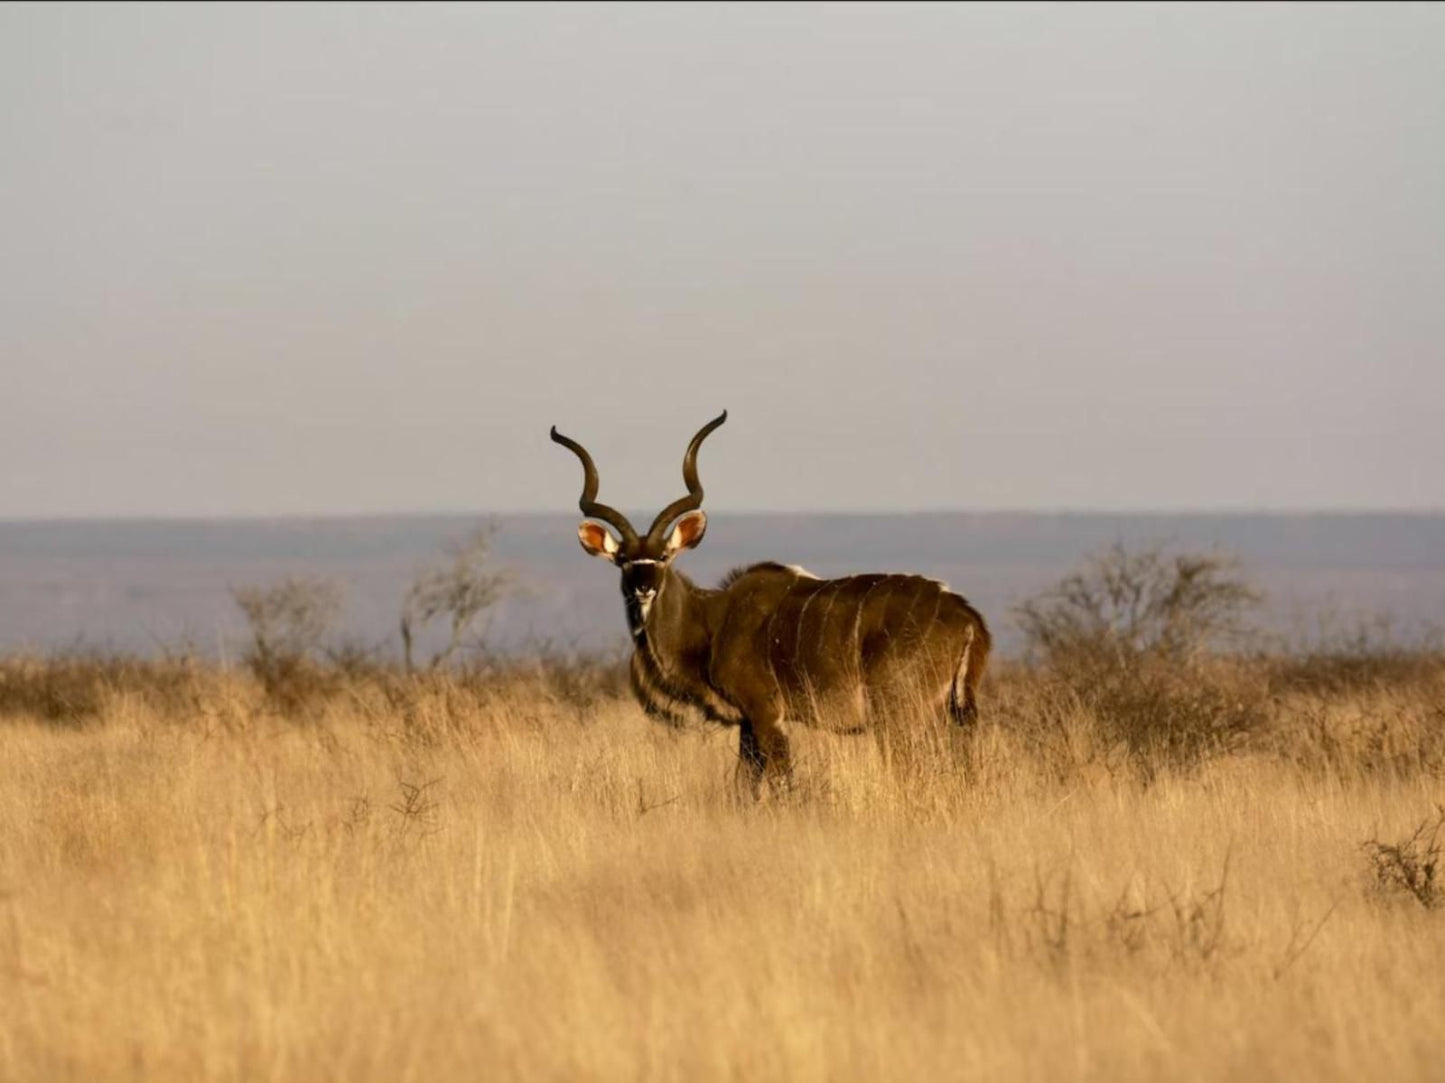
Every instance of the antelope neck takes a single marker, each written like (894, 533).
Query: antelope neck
(680, 618)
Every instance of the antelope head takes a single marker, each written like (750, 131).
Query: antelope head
(644, 560)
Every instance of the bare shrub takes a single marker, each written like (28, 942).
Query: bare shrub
(1163, 927)
(1129, 636)
(461, 589)
(1173, 715)
(60, 691)
(1329, 672)
(1147, 602)
(289, 622)
(1368, 654)
(73, 690)
(1410, 865)
(1391, 730)
(355, 659)
(417, 808)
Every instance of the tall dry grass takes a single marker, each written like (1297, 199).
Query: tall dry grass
(515, 875)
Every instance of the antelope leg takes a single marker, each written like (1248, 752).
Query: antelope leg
(763, 755)
(777, 757)
(751, 762)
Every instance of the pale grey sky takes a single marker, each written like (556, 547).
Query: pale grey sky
(359, 258)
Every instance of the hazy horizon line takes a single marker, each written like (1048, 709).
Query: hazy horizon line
(1223, 511)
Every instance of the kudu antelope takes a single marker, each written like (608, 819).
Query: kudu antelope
(773, 643)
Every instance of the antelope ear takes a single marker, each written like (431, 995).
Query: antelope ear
(686, 532)
(598, 540)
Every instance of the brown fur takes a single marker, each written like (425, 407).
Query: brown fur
(769, 646)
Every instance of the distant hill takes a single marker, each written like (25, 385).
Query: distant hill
(147, 585)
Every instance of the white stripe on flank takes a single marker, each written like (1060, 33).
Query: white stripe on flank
(858, 620)
(837, 586)
(798, 639)
(937, 605)
(909, 616)
(772, 655)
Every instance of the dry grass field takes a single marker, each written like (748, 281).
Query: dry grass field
(518, 876)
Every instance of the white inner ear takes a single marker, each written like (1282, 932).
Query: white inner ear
(678, 539)
(609, 548)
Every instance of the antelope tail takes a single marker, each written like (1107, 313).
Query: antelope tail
(962, 698)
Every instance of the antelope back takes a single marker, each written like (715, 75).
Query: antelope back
(837, 650)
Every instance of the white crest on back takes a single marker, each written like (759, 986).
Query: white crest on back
(800, 571)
